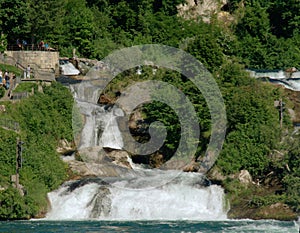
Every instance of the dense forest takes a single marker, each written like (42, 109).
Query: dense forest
(256, 34)
(262, 34)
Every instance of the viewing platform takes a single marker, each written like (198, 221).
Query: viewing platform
(44, 61)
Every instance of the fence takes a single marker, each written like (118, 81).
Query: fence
(19, 95)
(36, 71)
(30, 47)
(9, 124)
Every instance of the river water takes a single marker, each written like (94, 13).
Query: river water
(231, 226)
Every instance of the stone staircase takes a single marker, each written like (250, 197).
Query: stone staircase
(38, 74)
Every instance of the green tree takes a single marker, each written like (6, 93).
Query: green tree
(47, 17)
(80, 27)
(205, 47)
(14, 19)
(253, 129)
(285, 19)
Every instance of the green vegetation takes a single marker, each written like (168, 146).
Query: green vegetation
(10, 68)
(26, 87)
(260, 34)
(2, 92)
(42, 170)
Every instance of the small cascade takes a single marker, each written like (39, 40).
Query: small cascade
(100, 126)
(185, 197)
(288, 80)
(68, 68)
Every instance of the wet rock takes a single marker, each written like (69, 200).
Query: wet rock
(106, 169)
(279, 211)
(101, 203)
(120, 158)
(82, 182)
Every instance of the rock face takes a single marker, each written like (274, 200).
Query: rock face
(275, 210)
(204, 8)
(96, 161)
(65, 147)
(106, 169)
(119, 158)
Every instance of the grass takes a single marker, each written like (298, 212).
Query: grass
(26, 87)
(11, 69)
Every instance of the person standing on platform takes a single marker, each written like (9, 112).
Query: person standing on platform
(7, 80)
(28, 69)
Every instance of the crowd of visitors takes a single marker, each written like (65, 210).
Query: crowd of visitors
(42, 46)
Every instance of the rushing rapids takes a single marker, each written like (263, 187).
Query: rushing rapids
(188, 196)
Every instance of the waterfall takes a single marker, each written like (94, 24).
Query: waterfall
(138, 194)
(184, 198)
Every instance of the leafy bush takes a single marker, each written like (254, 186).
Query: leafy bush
(44, 118)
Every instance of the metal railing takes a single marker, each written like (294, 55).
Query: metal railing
(36, 71)
(9, 124)
(19, 95)
(31, 47)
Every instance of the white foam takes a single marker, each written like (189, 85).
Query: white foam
(183, 198)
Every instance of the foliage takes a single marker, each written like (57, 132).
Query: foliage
(97, 27)
(12, 205)
(253, 129)
(42, 170)
(285, 18)
(2, 92)
(26, 87)
(3, 43)
(14, 19)
(7, 150)
(291, 177)
(10, 68)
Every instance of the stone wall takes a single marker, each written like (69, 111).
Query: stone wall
(41, 60)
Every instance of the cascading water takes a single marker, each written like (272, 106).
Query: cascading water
(68, 68)
(137, 194)
(100, 127)
(288, 80)
(185, 197)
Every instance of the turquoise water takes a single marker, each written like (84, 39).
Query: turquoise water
(148, 226)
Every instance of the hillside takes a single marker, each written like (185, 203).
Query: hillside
(253, 34)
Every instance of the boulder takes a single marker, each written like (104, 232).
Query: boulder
(2, 108)
(245, 177)
(65, 147)
(84, 169)
(120, 158)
